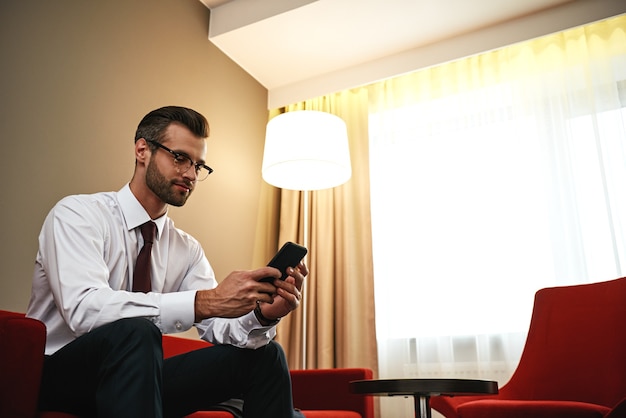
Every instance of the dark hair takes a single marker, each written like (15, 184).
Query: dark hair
(153, 125)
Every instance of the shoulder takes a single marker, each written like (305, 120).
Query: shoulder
(92, 206)
(177, 234)
(181, 239)
(78, 200)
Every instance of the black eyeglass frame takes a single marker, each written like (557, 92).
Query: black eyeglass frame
(179, 156)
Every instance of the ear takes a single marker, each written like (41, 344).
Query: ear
(142, 150)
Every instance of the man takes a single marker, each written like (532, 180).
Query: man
(103, 349)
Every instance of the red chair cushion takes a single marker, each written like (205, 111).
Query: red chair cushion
(493, 408)
(173, 346)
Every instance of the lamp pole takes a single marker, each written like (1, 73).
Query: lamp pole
(305, 233)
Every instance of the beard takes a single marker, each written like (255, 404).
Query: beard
(164, 188)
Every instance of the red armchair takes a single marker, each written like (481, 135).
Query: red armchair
(573, 363)
(319, 393)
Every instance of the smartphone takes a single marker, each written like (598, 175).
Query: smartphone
(289, 255)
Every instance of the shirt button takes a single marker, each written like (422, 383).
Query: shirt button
(178, 325)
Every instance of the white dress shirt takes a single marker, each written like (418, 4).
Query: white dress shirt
(84, 267)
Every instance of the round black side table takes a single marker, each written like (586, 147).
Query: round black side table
(423, 389)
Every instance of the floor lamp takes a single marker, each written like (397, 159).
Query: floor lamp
(306, 150)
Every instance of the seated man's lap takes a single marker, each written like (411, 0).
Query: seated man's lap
(131, 350)
(203, 378)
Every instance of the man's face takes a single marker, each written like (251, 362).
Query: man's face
(163, 177)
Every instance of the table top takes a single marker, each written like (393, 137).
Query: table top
(424, 387)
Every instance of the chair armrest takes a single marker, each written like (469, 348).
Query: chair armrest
(22, 344)
(329, 389)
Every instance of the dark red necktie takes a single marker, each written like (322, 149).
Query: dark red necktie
(141, 279)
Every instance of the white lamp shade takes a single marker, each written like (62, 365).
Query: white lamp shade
(306, 150)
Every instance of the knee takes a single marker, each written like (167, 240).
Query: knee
(273, 354)
(275, 350)
(140, 328)
(137, 335)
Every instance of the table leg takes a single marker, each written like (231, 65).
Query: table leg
(422, 406)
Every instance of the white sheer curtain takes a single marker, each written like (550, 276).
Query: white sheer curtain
(492, 177)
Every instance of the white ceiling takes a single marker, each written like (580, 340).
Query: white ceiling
(300, 49)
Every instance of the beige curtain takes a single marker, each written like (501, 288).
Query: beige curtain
(340, 288)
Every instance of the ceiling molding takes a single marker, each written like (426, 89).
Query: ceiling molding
(300, 49)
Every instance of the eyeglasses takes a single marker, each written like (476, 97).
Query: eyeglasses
(184, 163)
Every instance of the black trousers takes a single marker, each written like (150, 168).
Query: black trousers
(118, 371)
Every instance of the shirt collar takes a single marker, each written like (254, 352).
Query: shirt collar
(134, 214)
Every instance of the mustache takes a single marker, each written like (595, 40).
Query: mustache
(186, 182)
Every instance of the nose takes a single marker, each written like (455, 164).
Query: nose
(191, 174)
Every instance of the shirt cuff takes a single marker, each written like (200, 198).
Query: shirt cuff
(177, 311)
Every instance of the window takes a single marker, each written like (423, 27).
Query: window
(493, 177)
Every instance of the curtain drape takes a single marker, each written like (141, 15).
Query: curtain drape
(339, 288)
(491, 177)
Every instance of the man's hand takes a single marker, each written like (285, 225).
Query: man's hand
(238, 294)
(288, 294)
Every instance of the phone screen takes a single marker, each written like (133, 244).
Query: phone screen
(289, 255)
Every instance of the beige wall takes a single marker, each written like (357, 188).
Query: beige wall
(76, 78)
